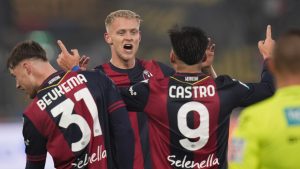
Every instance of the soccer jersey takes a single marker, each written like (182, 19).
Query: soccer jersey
(73, 117)
(126, 77)
(189, 116)
(268, 133)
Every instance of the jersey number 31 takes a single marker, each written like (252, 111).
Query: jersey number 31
(66, 107)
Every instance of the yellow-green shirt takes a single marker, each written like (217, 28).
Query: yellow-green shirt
(268, 133)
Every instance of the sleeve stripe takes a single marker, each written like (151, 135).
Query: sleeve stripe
(115, 107)
(36, 158)
(114, 104)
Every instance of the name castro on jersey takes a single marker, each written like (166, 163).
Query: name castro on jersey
(181, 92)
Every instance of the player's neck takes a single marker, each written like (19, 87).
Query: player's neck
(43, 72)
(123, 64)
(287, 80)
(183, 68)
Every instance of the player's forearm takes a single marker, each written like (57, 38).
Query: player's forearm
(266, 76)
(123, 138)
(125, 149)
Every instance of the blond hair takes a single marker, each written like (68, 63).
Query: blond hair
(121, 14)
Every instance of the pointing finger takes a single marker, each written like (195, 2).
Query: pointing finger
(62, 47)
(209, 42)
(269, 32)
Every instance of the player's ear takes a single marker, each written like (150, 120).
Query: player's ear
(140, 36)
(26, 67)
(172, 57)
(107, 38)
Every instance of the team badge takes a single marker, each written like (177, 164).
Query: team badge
(147, 74)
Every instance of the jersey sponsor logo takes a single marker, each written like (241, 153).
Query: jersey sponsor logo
(90, 158)
(147, 74)
(184, 163)
(191, 78)
(292, 115)
(181, 92)
(60, 90)
(237, 147)
(54, 79)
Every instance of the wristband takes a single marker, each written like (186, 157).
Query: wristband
(75, 68)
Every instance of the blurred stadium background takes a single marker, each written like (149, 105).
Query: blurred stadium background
(234, 25)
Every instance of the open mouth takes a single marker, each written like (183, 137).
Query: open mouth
(128, 46)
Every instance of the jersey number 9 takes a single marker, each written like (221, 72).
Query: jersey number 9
(201, 132)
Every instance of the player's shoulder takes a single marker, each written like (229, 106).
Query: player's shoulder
(31, 105)
(225, 81)
(157, 67)
(150, 63)
(102, 67)
(147, 63)
(32, 110)
(93, 73)
(158, 83)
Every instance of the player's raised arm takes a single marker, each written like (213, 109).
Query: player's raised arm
(265, 88)
(266, 46)
(65, 59)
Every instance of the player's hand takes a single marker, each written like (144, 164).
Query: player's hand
(83, 62)
(65, 59)
(209, 55)
(210, 50)
(266, 47)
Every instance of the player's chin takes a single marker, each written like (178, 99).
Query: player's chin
(128, 57)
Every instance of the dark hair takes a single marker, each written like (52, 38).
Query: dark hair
(25, 50)
(189, 43)
(287, 52)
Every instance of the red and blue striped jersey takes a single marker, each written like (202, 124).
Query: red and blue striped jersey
(189, 116)
(125, 77)
(81, 120)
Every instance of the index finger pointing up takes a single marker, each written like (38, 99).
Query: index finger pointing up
(269, 32)
(62, 47)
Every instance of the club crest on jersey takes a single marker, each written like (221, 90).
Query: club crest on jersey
(147, 74)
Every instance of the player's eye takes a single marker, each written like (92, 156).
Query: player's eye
(121, 33)
(134, 32)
